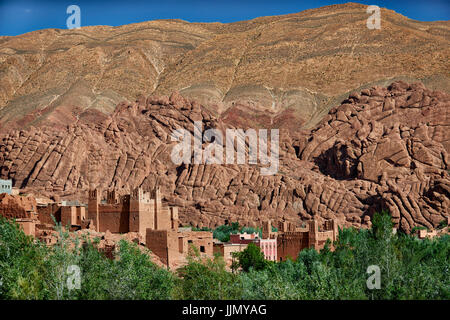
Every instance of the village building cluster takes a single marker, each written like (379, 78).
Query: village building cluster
(157, 226)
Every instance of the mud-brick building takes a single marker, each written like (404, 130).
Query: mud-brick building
(268, 246)
(291, 239)
(135, 212)
(173, 246)
(69, 215)
(156, 223)
(239, 242)
(226, 250)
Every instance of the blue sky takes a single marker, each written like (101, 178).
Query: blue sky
(21, 16)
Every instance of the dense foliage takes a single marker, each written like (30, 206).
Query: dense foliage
(207, 280)
(31, 270)
(410, 268)
(222, 233)
(251, 258)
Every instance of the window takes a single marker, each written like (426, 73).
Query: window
(189, 241)
(202, 248)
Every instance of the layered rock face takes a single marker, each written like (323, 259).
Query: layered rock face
(395, 139)
(279, 71)
(382, 148)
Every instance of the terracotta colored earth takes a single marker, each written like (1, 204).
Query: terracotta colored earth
(279, 71)
(17, 207)
(382, 148)
(363, 114)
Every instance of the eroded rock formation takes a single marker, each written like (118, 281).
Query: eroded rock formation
(282, 71)
(395, 138)
(382, 148)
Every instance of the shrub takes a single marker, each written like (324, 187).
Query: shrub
(251, 257)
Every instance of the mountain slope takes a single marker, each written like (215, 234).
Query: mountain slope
(279, 71)
(385, 148)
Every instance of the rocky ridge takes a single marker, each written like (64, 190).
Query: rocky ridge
(280, 71)
(382, 148)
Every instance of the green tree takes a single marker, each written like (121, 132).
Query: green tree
(207, 279)
(21, 263)
(251, 257)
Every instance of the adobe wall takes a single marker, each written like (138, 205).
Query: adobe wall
(226, 250)
(93, 207)
(139, 208)
(45, 213)
(113, 217)
(330, 232)
(202, 240)
(289, 244)
(156, 241)
(163, 221)
(68, 216)
(164, 244)
(172, 247)
(324, 235)
(81, 215)
(28, 226)
(320, 244)
(143, 219)
(267, 230)
(174, 218)
(139, 211)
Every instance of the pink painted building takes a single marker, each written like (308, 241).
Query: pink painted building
(268, 246)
